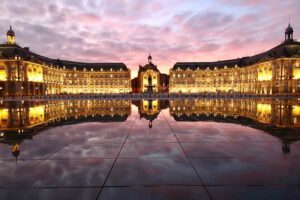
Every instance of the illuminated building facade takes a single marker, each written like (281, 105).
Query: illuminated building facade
(24, 73)
(150, 79)
(276, 71)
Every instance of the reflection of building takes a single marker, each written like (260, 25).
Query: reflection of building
(18, 116)
(19, 121)
(150, 79)
(15, 149)
(23, 72)
(150, 109)
(282, 113)
(280, 118)
(272, 72)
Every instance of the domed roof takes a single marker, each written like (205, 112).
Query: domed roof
(289, 29)
(10, 32)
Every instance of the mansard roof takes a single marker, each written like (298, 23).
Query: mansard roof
(149, 66)
(10, 51)
(287, 49)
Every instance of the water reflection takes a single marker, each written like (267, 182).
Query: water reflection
(150, 109)
(19, 116)
(279, 117)
(22, 120)
(281, 113)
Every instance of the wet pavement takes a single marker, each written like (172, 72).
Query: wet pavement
(171, 160)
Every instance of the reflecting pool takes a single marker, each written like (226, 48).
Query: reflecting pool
(150, 149)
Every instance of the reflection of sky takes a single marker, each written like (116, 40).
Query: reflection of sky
(126, 31)
(82, 155)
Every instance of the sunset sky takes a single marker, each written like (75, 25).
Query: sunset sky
(127, 30)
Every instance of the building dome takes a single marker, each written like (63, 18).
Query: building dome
(289, 29)
(10, 32)
(289, 33)
(11, 37)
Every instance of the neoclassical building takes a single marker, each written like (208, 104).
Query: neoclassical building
(24, 73)
(276, 71)
(149, 79)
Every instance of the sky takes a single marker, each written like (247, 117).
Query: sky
(128, 30)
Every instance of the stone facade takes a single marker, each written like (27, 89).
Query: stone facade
(276, 71)
(24, 73)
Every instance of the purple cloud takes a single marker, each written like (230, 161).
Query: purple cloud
(126, 31)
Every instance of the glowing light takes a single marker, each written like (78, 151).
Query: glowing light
(3, 117)
(296, 110)
(35, 73)
(37, 114)
(296, 72)
(3, 75)
(11, 39)
(264, 108)
(264, 74)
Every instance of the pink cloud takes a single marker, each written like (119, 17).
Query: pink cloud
(86, 18)
(126, 31)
